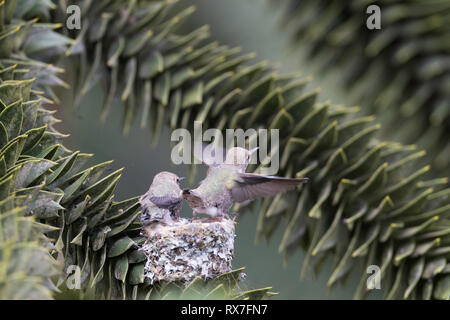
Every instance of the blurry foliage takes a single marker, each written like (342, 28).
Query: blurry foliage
(25, 261)
(401, 72)
(227, 286)
(39, 177)
(366, 201)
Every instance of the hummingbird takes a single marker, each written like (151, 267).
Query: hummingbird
(162, 202)
(227, 183)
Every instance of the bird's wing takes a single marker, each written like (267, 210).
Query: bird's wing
(250, 186)
(192, 199)
(166, 202)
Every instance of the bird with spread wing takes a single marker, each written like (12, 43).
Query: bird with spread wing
(227, 182)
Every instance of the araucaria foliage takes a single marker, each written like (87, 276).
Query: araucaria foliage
(366, 201)
(401, 72)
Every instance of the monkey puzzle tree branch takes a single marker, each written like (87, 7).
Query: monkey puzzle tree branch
(400, 72)
(367, 200)
(81, 224)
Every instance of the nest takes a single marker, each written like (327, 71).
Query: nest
(185, 250)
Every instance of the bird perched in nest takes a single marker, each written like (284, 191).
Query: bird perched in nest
(162, 202)
(227, 183)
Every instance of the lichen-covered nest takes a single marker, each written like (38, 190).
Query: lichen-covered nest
(184, 250)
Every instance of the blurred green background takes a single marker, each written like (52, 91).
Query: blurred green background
(251, 25)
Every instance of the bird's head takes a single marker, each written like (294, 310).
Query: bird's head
(167, 177)
(239, 157)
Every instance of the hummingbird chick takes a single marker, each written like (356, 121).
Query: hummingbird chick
(162, 202)
(227, 183)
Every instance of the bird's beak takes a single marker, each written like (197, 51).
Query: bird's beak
(181, 178)
(253, 150)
